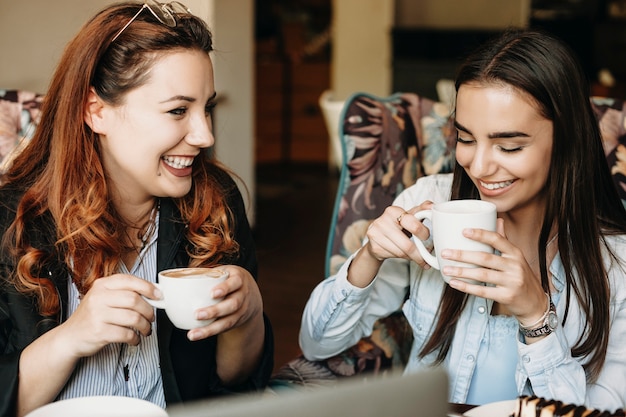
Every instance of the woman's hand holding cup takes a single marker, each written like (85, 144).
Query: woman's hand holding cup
(388, 236)
(448, 221)
(185, 290)
(208, 301)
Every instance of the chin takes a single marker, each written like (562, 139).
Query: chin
(178, 192)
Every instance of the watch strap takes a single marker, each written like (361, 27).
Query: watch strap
(548, 325)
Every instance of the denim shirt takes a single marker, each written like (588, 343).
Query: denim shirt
(338, 314)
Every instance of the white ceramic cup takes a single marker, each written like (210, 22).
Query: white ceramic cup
(185, 290)
(448, 219)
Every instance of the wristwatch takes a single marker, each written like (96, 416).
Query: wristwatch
(550, 321)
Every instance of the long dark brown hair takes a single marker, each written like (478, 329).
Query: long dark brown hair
(581, 198)
(61, 171)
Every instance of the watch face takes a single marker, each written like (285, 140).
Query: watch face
(553, 320)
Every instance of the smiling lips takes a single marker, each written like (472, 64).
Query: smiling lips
(179, 166)
(493, 186)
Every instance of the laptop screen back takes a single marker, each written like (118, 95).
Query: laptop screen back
(415, 395)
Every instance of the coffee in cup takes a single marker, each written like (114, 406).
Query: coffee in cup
(448, 219)
(185, 290)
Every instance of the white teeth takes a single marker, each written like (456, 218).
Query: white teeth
(178, 162)
(497, 185)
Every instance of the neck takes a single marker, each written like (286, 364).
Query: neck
(551, 240)
(139, 220)
(137, 214)
(139, 234)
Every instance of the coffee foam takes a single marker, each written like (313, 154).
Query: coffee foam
(193, 273)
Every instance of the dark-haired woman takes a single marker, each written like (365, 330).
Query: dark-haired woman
(549, 317)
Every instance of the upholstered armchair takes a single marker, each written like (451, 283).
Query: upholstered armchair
(387, 143)
(611, 115)
(19, 115)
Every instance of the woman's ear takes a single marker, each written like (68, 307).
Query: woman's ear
(94, 112)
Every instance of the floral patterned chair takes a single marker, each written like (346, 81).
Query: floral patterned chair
(387, 144)
(611, 115)
(19, 115)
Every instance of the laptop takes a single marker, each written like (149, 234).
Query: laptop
(421, 394)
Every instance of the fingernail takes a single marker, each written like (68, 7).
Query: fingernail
(446, 253)
(468, 232)
(218, 293)
(158, 294)
(202, 315)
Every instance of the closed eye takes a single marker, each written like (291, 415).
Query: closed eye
(463, 141)
(511, 150)
(179, 111)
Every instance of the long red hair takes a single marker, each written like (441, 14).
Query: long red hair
(61, 173)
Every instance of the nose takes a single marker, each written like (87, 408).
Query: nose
(200, 132)
(482, 162)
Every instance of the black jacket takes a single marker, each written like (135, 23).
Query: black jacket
(188, 368)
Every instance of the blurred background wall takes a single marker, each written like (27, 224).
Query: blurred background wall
(275, 58)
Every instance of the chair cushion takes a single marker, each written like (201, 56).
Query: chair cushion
(386, 350)
(611, 117)
(19, 115)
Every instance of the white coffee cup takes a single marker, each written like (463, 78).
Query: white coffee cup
(448, 220)
(185, 290)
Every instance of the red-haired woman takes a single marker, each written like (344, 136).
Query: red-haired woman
(116, 185)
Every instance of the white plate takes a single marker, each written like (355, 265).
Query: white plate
(101, 406)
(497, 409)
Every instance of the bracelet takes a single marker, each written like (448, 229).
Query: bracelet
(541, 319)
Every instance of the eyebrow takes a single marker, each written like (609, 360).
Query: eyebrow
(189, 99)
(495, 135)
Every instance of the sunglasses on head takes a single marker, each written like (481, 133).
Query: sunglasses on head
(164, 13)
